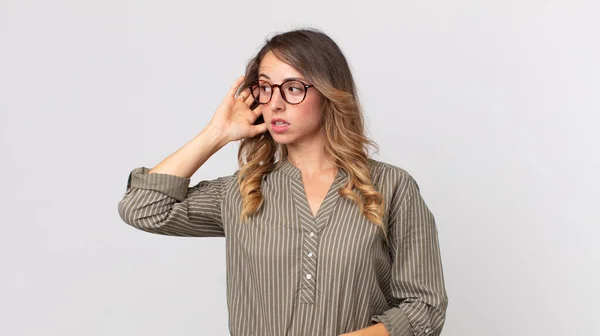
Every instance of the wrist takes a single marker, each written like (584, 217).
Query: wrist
(216, 135)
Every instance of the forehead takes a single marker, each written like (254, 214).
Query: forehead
(275, 69)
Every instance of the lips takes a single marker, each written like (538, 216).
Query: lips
(279, 120)
(282, 127)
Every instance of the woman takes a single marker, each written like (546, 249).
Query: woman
(321, 239)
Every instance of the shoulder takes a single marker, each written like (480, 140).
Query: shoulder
(394, 182)
(388, 173)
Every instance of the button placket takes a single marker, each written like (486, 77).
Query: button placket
(311, 227)
(309, 266)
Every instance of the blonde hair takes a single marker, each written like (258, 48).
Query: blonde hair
(318, 58)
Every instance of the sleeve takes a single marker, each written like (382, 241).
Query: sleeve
(418, 296)
(165, 204)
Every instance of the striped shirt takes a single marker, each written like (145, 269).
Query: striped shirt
(292, 273)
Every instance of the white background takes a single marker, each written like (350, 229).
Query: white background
(493, 106)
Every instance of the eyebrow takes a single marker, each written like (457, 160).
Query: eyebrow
(289, 78)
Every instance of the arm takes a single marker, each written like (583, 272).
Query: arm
(164, 204)
(417, 291)
(232, 121)
(186, 161)
(159, 200)
(374, 330)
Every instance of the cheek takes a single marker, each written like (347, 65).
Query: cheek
(311, 111)
(309, 118)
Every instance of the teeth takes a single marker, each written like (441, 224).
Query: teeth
(281, 123)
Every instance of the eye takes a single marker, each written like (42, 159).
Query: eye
(265, 88)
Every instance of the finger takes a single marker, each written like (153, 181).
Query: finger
(251, 117)
(250, 98)
(233, 89)
(257, 111)
(258, 129)
(243, 95)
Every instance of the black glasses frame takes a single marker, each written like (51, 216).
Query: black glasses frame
(306, 86)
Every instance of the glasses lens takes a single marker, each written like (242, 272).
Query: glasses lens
(294, 91)
(261, 91)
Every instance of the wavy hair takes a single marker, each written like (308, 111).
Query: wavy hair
(319, 59)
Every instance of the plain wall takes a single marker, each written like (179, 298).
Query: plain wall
(491, 105)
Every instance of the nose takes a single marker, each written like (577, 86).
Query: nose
(277, 102)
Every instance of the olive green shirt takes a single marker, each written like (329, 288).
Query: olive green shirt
(292, 273)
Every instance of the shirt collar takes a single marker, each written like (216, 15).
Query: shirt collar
(289, 169)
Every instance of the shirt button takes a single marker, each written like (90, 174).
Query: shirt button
(309, 254)
(308, 276)
(311, 234)
(427, 330)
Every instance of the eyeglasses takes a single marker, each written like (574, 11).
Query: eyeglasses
(293, 91)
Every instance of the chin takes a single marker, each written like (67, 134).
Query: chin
(282, 139)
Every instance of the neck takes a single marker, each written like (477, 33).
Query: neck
(311, 162)
(310, 156)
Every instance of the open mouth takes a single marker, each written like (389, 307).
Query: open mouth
(280, 126)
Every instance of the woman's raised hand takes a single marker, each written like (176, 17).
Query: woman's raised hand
(234, 118)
